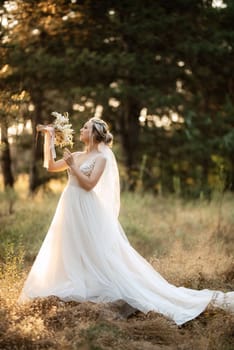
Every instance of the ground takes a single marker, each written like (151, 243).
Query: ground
(189, 243)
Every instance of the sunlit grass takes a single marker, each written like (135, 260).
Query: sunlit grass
(164, 221)
(190, 243)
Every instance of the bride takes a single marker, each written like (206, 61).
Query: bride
(86, 256)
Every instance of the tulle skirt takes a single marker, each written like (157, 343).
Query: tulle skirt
(86, 256)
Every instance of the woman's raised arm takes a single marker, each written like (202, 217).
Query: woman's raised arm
(52, 165)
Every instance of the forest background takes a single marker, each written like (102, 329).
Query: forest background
(159, 72)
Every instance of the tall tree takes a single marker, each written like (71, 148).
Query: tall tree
(8, 179)
(130, 55)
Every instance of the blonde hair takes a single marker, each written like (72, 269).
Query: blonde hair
(100, 131)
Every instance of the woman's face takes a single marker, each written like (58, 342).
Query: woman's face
(85, 132)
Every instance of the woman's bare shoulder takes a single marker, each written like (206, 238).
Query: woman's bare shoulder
(101, 156)
(100, 159)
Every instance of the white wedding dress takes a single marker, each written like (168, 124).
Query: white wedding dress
(86, 257)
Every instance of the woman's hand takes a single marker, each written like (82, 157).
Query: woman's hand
(67, 156)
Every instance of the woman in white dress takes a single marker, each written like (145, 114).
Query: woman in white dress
(86, 256)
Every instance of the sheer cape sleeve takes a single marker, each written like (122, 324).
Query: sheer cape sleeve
(108, 187)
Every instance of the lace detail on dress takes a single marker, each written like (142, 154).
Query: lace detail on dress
(223, 301)
(87, 167)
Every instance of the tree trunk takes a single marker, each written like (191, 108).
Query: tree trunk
(130, 130)
(35, 179)
(230, 179)
(8, 178)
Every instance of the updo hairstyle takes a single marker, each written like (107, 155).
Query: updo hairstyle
(100, 131)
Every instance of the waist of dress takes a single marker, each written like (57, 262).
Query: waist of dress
(74, 183)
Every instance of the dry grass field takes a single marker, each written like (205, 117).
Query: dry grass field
(190, 243)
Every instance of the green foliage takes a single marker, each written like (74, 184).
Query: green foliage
(167, 57)
(27, 224)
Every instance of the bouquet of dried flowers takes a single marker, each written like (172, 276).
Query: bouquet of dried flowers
(63, 132)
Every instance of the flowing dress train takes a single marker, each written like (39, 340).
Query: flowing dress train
(86, 256)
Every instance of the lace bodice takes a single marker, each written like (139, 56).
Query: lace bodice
(86, 167)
